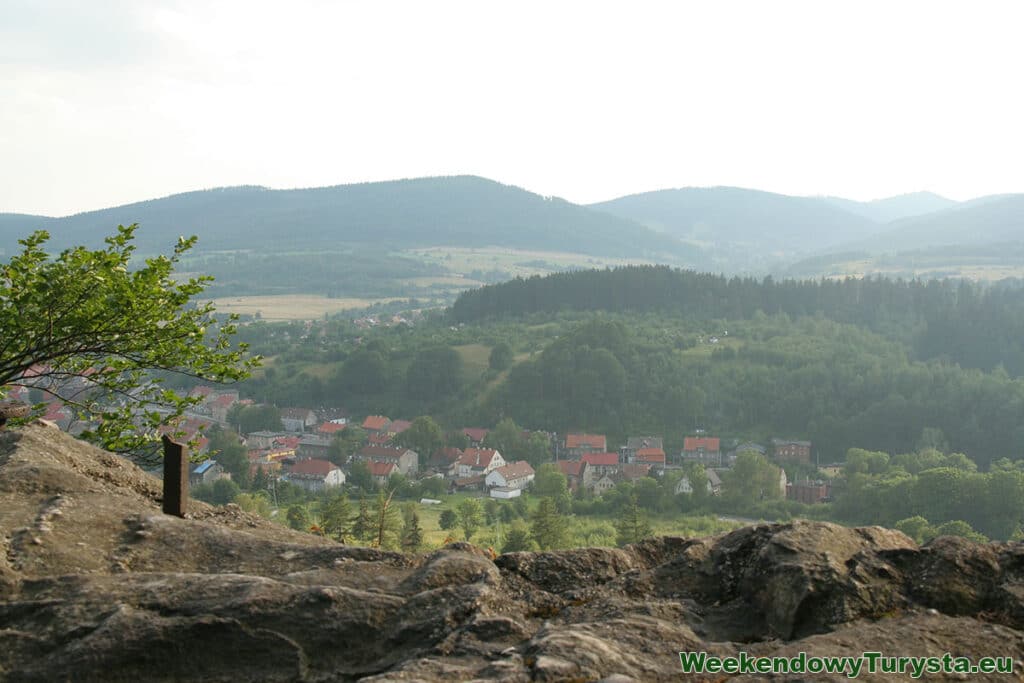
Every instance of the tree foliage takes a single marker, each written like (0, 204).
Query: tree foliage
(100, 336)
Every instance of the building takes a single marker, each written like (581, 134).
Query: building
(405, 459)
(809, 492)
(505, 493)
(206, 472)
(298, 419)
(315, 475)
(792, 450)
(376, 424)
(634, 443)
(382, 472)
(478, 462)
(577, 445)
(651, 456)
(703, 449)
(603, 484)
(602, 463)
(515, 475)
(313, 446)
(476, 435)
(713, 486)
(577, 473)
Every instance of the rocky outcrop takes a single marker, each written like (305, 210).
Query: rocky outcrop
(97, 584)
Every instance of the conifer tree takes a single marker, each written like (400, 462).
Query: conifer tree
(361, 528)
(633, 525)
(412, 534)
(548, 525)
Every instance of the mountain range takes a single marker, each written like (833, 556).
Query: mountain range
(725, 229)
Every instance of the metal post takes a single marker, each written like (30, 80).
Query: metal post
(175, 477)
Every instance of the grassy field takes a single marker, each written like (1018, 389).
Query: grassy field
(515, 262)
(291, 306)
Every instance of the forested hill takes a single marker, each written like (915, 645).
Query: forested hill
(737, 218)
(967, 323)
(451, 211)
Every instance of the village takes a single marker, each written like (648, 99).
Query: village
(302, 453)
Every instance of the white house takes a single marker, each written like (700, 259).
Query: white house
(714, 484)
(478, 461)
(514, 476)
(505, 493)
(316, 475)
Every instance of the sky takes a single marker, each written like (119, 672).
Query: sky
(107, 102)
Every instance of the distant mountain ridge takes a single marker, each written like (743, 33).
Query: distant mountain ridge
(895, 208)
(463, 211)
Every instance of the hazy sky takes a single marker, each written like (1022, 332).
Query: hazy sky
(104, 102)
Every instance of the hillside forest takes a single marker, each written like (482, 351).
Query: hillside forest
(910, 392)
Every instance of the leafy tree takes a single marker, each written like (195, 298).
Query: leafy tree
(632, 525)
(256, 503)
(449, 519)
(961, 528)
(548, 526)
(336, 517)
(424, 436)
(224, 491)
(359, 476)
(456, 439)
(345, 443)
(261, 418)
(518, 539)
(229, 452)
(298, 517)
(549, 481)
(506, 438)
(435, 373)
(102, 337)
(412, 534)
(501, 357)
(471, 516)
(917, 528)
(260, 480)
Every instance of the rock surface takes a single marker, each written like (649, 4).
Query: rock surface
(97, 585)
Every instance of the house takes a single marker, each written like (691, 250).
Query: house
(576, 473)
(603, 484)
(478, 461)
(331, 428)
(398, 426)
(206, 472)
(713, 486)
(476, 435)
(382, 472)
(265, 439)
(405, 459)
(298, 419)
(505, 492)
(315, 475)
(651, 456)
(515, 475)
(634, 443)
(577, 445)
(809, 492)
(445, 460)
(750, 446)
(376, 424)
(602, 463)
(221, 403)
(703, 449)
(313, 446)
(474, 483)
(633, 471)
(792, 450)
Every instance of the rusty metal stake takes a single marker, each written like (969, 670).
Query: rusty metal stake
(175, 477)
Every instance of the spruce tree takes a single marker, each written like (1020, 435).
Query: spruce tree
(361, 528)
(633, 525)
